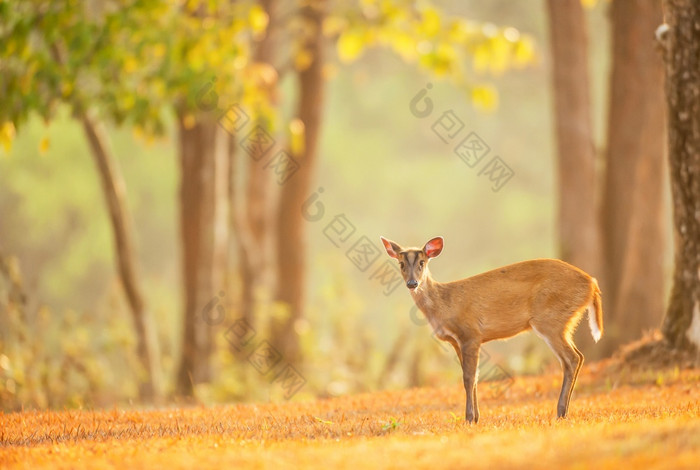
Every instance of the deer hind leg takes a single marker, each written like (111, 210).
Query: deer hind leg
(578, 369)
(571, 360)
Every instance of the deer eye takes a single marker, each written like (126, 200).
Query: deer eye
(422, 263)
(401, 265)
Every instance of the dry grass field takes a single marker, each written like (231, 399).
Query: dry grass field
(617, 420)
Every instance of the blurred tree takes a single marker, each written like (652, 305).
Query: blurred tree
(126, 64)
(133, 62)
(204, 158)
(206, 129)
(634, 208)
(579, 235)
(253, 224)
(291, 249)
(12, 295)
(681, 39)
(51, 52)
(441, 45)
(616, 246)
(203, 153)
(127, 262)
(577, 215)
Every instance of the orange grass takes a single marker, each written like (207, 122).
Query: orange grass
(650, 420)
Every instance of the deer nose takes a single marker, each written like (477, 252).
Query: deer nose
(412, 284)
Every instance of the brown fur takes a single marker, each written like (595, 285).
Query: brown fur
(546, 295)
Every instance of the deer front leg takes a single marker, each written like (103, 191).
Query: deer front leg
(455, 345)
(470, 362)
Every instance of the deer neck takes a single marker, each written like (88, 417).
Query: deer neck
(428, 299)
(425, 295)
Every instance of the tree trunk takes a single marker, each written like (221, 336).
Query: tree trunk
(681, 326)
(254, 223)
(291, 249)
(579, 236)
(634, 211)
(204, 154)
(115, 195)
(578, 221)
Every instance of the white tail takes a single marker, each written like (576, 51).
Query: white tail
(595, 314)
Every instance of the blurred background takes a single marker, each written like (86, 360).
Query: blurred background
(192, 193)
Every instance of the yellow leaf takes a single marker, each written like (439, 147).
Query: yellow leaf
(350, 45)
(215, 57)
(66, 89)
(130, 65)
(303, 59)
(524, 51)
(192, 5)
(431, 22)
(7, 135)
(258, 19)
(297, 133)
(484, 97)
(159, 50)
(371, 36)
(458, 31)
(500, 55)
(404, 45)
(480, 59)
(43, 145)
(189, 121)
(446, 52)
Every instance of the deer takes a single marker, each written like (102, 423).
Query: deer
(547, 296)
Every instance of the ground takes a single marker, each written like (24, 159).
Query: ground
(617, 419)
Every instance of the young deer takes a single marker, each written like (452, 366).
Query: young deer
(547, 295)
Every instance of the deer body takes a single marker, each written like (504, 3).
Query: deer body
(545, 295)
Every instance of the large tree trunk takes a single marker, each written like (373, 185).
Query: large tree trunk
(634, 223)
(204, 158)
(291, 249)
(578, 221)
(681, 326)
(115, 196)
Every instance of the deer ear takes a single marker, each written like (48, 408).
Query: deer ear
(433, 248)
(391, 248)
